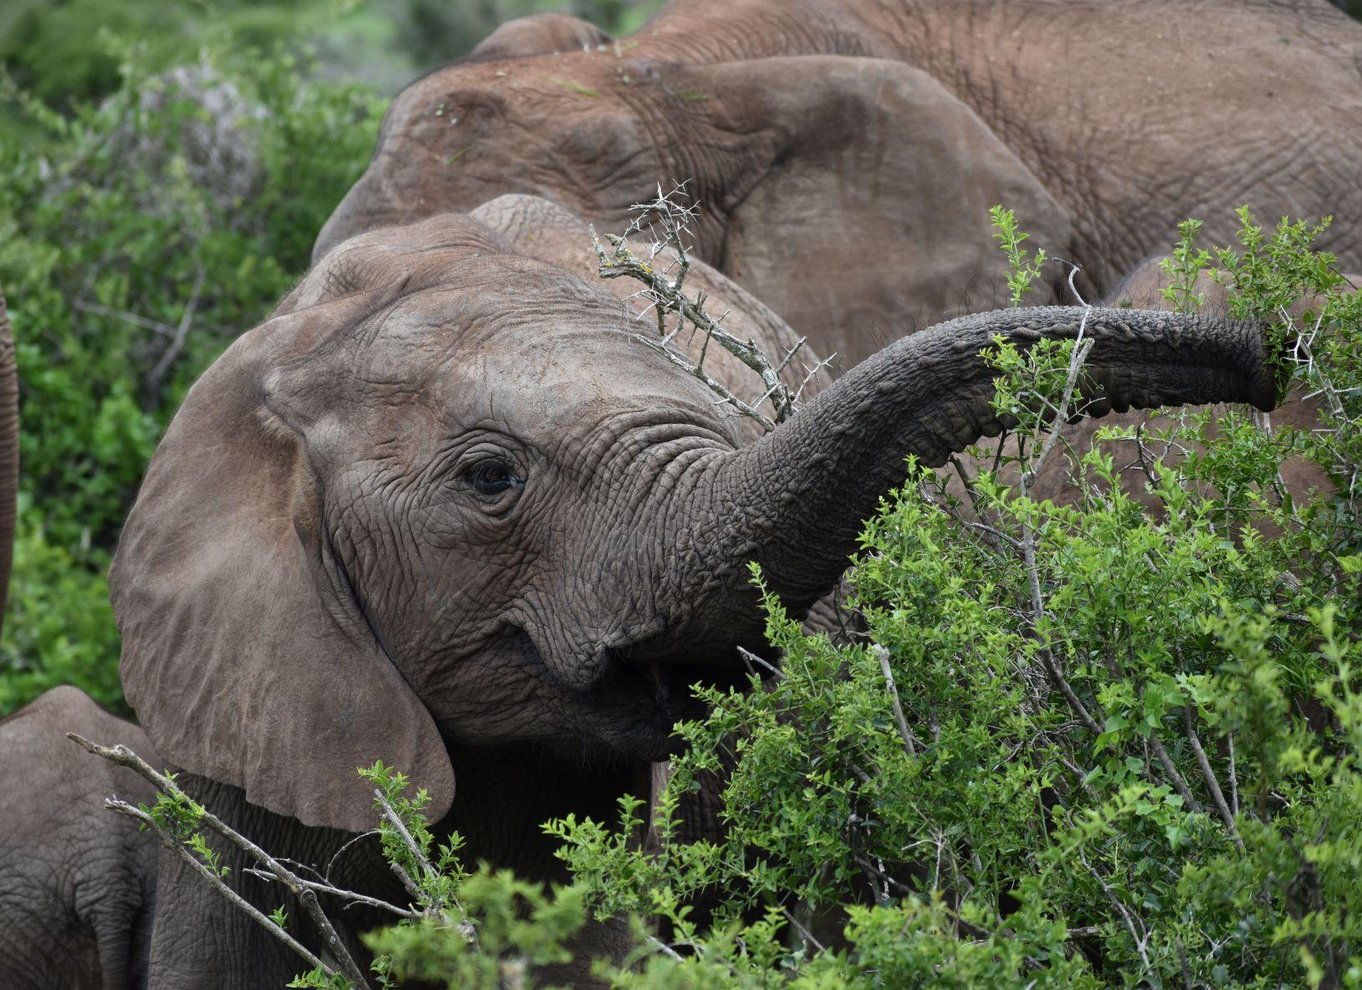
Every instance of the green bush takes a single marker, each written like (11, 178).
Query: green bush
(135, 244)
(1077, 747)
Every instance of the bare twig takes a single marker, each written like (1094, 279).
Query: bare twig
(339, 892)
(806, 936)
(666, 219)
(681, 361)
(164, 329)
(1234, 779)
(181, 331)
(1126, 917)
(176, 846)
(1082, 347)
(1082, 779)
(1212, 784)
(967, 481)
(749, 658)
(1174, 776)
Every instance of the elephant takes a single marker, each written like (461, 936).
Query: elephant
(445, 509)
(77, 883)
(846, 151)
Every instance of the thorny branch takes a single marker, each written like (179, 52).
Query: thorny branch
(666, 222)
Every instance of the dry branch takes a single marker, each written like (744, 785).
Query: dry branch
(665, 222)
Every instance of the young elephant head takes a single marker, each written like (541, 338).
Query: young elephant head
(444, 498)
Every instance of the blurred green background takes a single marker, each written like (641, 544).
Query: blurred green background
(164, 168)
(59, 51)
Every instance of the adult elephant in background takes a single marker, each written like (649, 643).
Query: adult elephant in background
(77, 883)
(444, 509)
(846, 151)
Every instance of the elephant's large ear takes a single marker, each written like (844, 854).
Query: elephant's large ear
(874, 198)
(540, 34)
(243, 655)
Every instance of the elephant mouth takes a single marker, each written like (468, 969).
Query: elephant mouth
(638, 703)
(630, 708)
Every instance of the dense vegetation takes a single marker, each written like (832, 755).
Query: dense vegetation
(135, 243)
(1077, 746)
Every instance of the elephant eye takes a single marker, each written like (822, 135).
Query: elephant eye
(491, 478)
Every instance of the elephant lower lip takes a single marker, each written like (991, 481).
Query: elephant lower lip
(639, 705)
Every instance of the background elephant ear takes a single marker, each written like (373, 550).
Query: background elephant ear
(540, 34)
(873, 204)
(244, 660)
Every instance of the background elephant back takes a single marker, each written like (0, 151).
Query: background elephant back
(846, 153)
(76, 881)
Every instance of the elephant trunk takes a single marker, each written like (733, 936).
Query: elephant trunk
(9, 449)
(796, 500)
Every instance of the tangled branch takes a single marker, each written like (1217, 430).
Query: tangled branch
(665, 223)
(177, 831)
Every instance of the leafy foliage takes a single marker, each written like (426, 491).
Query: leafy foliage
(1079, 746)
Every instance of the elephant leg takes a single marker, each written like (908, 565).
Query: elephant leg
(201, 941)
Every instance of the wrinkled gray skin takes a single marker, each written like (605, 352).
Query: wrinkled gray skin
(846, 151)
(77, 883)
(444, 510)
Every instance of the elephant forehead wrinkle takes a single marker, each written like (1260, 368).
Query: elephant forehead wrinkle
(612, 440)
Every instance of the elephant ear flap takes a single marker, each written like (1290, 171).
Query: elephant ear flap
(539, 34)
(243, 654)
(874, 199)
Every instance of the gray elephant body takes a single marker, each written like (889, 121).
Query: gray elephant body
(846, 152)
(77, 883)
(444, 509)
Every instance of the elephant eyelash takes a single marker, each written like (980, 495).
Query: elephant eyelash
(492, 478)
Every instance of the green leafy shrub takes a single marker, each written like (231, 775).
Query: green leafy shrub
(135, 244)
(1085, 746)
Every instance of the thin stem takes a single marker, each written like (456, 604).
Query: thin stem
(1174, 777)
(464, 925)
(672, 218)
(882, 655)
(1122, 910)
(174, 845)
(181, 331)
(1211, 782)
(1234, 780)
